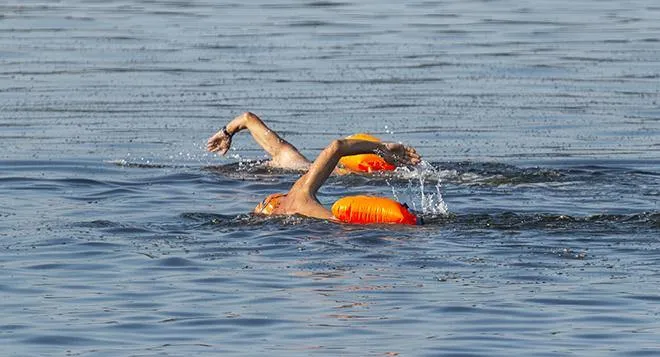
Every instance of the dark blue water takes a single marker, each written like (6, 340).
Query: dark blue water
(539, 123)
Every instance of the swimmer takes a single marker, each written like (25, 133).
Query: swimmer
(301, 198)
(283, 154)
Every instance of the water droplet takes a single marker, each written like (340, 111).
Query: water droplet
(421, 193)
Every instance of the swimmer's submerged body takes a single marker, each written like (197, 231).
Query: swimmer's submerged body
(301, 198)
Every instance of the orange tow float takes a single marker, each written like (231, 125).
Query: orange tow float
(370, 209)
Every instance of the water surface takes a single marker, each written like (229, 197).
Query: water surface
(538, 122)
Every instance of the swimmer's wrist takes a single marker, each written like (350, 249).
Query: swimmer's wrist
(226, 132)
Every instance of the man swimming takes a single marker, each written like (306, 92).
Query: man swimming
(301, 197)
(282, 154)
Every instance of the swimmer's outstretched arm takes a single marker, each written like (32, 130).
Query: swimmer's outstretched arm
(323, 166)
(282, 153)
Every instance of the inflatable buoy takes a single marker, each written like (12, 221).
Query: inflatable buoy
(370, 209)
(365, 162)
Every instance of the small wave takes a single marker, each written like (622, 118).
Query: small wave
(249, 170)
(496, 221)
(520, 221)
(98, 223)
(140, 165)
(310, 23)
(325, 4)
(496, 174)
(499, 174)
(204, 219)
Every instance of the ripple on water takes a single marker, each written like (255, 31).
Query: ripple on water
(176, 262)
(67, 340)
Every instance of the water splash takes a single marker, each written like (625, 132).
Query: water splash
(249, 165)
(423, 191)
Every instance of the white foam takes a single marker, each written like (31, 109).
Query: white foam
(423, 192)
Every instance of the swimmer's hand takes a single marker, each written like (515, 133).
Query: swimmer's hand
(220, 142)
(400, 155)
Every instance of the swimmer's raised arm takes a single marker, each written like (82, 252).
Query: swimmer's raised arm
(323, 166)
(283, 154)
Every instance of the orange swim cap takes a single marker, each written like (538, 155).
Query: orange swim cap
(269, 204)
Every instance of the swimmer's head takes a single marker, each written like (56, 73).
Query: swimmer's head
(269, 204)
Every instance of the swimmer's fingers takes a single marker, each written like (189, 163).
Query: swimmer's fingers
(393, 154)
(219, 143)
(401, 155)
(408, 157)
(413, 156)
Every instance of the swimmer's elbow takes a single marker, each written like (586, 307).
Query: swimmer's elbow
(342, 147)
(251, 118)
(337, 146)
